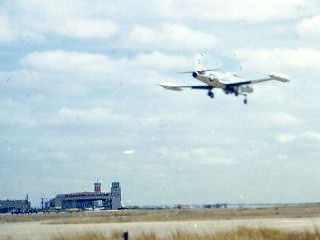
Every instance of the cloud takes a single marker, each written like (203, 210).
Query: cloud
(37, 20)
(129, 152)
(206, 156)
(283, 119)
(235, 10)
(65, 61)
(6, 34)
(279, 119)
(86, 28)
(92, 115)
(97, 64)
(15, 113)
(172, 37)
(312, 135)
(280, 60)
(286, 137)
(283, 157)
(96, 115)
(72, 73)
(19, 119)
(160, 62)
(307, 135)
(176, 10)
(83, 19)
(309, 27)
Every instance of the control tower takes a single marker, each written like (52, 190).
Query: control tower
(115, 196)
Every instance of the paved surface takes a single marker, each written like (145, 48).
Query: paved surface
(42, 230)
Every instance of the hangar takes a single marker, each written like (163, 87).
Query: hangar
(107, 200)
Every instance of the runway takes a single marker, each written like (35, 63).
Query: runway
(43, 230)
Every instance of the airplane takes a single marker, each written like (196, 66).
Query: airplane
(229, 83)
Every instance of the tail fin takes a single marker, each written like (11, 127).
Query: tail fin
(198, 62)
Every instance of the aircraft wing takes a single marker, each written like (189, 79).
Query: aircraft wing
(270, 78)
(175, 87)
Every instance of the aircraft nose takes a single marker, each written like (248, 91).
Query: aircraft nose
(195, 74)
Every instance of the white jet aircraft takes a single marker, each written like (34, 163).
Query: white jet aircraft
(229, 83)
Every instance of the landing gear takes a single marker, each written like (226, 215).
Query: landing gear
(245, 100)
(211, 94)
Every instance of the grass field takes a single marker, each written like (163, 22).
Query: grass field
(167, 215)
(241, 233)
(285, 222)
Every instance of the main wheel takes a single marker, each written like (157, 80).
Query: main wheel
(211, 94)
(245, 101)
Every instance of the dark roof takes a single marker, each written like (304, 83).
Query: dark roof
(82, 194)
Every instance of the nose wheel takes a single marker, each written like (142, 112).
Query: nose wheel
(211, 94)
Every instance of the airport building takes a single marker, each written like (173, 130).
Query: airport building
(15, 206)
(107, 200)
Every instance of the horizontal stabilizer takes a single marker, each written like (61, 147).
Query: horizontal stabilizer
(170, 86)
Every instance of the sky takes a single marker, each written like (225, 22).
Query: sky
(79, 100)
